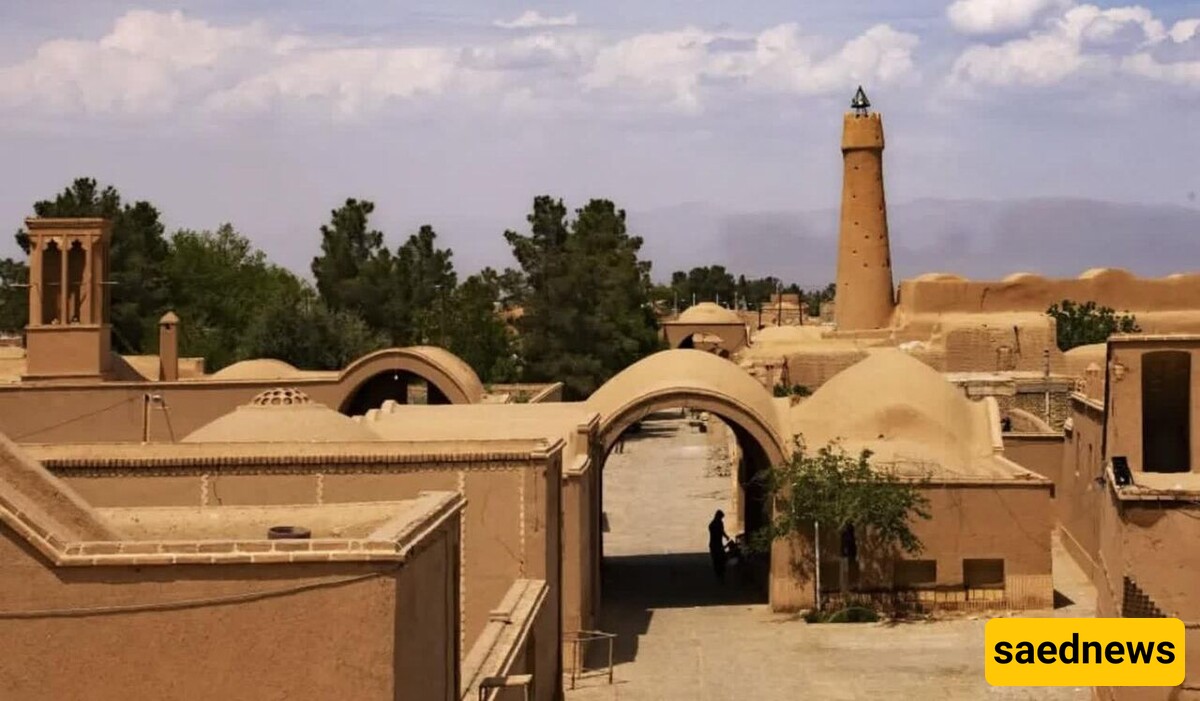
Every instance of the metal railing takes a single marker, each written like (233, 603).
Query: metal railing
(495, 684)
(577, 640)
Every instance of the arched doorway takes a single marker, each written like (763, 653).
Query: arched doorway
(660, 422)
(422, 374)
(394, 385)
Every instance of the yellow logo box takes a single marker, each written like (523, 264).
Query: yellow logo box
(1084, 652)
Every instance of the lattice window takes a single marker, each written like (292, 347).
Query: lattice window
(1136, 604)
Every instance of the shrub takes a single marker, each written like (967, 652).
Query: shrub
(1083, 324)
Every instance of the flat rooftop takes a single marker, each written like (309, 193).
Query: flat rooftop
(1159, 486)
(464, 423)
(252, 522)
(54, 520)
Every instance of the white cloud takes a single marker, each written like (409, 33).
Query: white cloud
(1185, 30)
(147, 63)
(994, 16)
(353, 81)
(679, 66)
(1177, 72)
(153, 63)
(1082, 41)
(532, 19)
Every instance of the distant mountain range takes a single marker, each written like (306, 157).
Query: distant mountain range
(974, 238)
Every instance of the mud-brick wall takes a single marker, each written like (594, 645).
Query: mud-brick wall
(509, 529)
(1035, 403)
(316, 631)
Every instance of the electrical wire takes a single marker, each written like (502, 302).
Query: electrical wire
(80, 417)
(191, 603)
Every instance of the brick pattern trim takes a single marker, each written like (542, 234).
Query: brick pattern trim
(403, 544)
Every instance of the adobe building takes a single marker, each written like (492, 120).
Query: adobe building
(66, 384)
(1129, 500)
(922, 428)
(993, 335)
(707, 326)
(166, 601)
(284, 450)
(155, 459)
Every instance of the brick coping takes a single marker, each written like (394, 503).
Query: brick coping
(125, 455)
(394, 541)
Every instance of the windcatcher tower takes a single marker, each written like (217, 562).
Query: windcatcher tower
(864, 273)
(68, 334)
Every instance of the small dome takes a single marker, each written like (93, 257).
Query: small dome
(939, 277)
(786, 335)
(708, 313)
(1113, 273)
(168, 318)
(257, 369)
(282, 415)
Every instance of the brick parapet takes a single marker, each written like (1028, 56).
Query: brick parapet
(392, 542)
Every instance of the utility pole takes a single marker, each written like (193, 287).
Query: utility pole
(817, 568)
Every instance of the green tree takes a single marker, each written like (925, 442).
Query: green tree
(709, 283)
(354, 272)
(424, 282)
(757, 291)
(814, 298)
(298, 328)
(1082, 324)
(139, 249)
(844, 494)
(476, 332)
(14, 295)
(587, 312)
(219, 283)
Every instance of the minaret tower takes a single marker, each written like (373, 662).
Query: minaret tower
(864, 273)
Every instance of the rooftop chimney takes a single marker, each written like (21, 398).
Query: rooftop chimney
(168, 347)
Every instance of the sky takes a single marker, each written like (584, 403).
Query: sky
(268, 114)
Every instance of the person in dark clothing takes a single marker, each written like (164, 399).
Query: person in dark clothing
(716, 544)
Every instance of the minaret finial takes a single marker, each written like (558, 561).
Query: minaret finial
(860, 104)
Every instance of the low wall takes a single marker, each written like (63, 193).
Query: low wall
(1039, 452)
(1111, 287)
(519, 639)
(509, 525)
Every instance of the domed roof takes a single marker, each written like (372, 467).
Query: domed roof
(256, 369)
(1113, 273)
(939, 277)
(708, 313)
(900, 408)
(282, 415)
(787, 335)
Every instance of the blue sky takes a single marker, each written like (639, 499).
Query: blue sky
(456, 113)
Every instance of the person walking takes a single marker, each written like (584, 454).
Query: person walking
(716, 544)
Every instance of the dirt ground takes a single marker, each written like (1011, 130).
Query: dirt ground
(681, 635)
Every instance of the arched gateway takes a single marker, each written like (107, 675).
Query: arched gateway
(383, 375)
(669, 379)
(692, 379)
